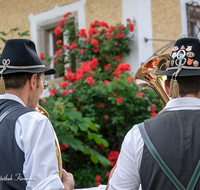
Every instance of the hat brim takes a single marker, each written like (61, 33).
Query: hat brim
(183, 72)
(45, 70)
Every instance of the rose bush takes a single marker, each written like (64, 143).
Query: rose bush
(99, 88)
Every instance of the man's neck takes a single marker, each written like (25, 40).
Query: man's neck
(21, 93)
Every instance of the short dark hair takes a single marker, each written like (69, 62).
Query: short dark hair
(18, 80)
(187, 84)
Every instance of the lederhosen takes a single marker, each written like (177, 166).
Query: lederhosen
(176, 137)
(11, 156)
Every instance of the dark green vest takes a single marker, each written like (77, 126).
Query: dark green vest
(176, 136)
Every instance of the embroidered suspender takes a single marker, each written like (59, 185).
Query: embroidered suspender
(9, 111)
(164, 167)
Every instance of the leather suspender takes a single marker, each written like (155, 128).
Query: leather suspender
(164, 167)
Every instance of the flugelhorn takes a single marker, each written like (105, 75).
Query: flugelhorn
(57, 146)
(145, 77)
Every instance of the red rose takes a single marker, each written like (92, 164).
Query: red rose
(95, 49)
(106, 81)
(107, 174)
(119, 100)
(82, 51)
(73, 46)
(64, 84)
(57, 30)
(107, 67)
(63, 146)
(59, 42)
(101, 106)
(130, 79)
(152, 108)
(131, 27)
(42, 56)
(68, 69)
(92, 25)
(90, 80)
(120, 35)
(113, 155)
(128, 20)
(71, 77)
(97, 184)
(140, 94)
(67, 14)
(154, 114)
(62, 21)
(112, 163)
(52, 92)
(98, 178)
(108, 35)
(65, 47)
(94, 42)
(106, 117)
(120, 27)
(64, 92)
(117, 58)
(82, 33)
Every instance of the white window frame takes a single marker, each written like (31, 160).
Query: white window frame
(48, 19)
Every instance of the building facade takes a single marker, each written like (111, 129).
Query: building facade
(158, 22)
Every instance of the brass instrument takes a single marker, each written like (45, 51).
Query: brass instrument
(145, 77)
(57, 146)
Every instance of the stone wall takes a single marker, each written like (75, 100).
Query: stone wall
(166, 22)
(109, 11)
(15, 13)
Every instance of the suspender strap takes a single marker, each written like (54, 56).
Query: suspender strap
(164, 167)
(157, 157)
(9, 111)
(194, 178)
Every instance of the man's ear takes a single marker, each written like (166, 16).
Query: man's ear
(33, 81)
(166, 85)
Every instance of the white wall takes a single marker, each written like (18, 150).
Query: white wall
(140, 10)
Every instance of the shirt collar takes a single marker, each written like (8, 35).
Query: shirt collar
(186, 103)
(12, 97)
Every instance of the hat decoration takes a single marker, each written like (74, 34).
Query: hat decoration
(184, 61)
(2, 83)
(19, 55)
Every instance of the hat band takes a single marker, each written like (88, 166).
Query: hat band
(22, 67)
(183, 67)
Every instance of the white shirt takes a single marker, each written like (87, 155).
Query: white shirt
(35, 137)
(126, 175)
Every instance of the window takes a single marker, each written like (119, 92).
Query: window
(47, 39)
(193, 19)
(42, 27)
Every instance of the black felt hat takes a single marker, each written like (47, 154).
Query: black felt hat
(19, 55)
(184, 59)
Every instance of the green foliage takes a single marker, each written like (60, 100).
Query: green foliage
(102, 91)
(69, 124)
(11, 33)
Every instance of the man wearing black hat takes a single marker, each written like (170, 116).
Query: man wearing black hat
(163, 152)
(27, 144)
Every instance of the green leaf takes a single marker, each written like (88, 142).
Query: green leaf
(14, 29)
(3, 40)
(24, 33)
(94, 159)
(73, 142)
(104, 161)
(3, 33)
